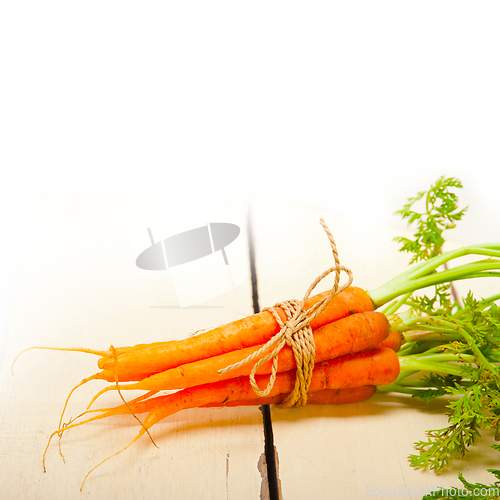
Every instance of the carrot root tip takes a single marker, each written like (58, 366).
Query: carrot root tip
(141, 433)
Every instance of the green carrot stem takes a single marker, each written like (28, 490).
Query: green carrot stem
(436, 357)
(404, 375)
(415, 347)
(432, 337)
(479, 354)
(492, 298)
(392, 307)
(407, 363)
(396, 388)
(430, 265)
(481, 358)
(385, 294)
(424, 274)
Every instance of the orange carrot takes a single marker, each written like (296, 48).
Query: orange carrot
(348, 335)
(322, 397)
(143, 360)
(139, 362)
(394, 340)
(374, 366)
(341, 396)
(133, 363)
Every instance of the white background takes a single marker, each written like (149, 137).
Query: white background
(350, 105)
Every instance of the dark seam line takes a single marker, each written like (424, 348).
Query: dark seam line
(272, 475)
(253, 271)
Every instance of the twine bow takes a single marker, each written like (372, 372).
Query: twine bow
(297, 333)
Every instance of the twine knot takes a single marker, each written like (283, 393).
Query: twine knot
(296, 332)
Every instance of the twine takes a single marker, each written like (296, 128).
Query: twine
(297, 333)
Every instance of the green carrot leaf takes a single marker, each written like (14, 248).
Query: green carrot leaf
(440, 212)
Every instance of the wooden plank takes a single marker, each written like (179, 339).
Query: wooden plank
(359, 450)
(80, 287)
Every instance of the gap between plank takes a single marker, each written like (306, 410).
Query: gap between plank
(269, 449)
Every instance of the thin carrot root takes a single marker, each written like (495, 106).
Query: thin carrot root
(326, 396)
(142, 397)
(161, 407)
(64, 428)
(123, 399)
(66, 425)
(60, 437)
(96, 376)
(100, 393)
(141, 433)
(105, 413)
(138, 404)
(76, 349)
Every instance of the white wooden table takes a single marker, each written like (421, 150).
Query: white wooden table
(80, 287)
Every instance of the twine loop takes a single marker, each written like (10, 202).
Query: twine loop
(296, 332)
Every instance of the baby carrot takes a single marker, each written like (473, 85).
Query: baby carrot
(133, 363)
(136, 363)
(321, 397)
(394, 340)
(139, 405)
(348, 335)
(341, 396)
(375, 366)
(139, 362)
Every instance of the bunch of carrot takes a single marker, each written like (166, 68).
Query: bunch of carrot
(354, 352)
